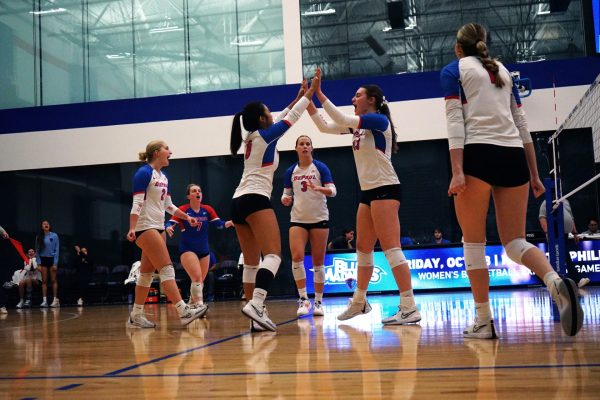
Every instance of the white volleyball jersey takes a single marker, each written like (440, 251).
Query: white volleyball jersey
(372, 148)
(153, 185)
(309, 206)
(261, 157)
(479, 112)
(371, 144)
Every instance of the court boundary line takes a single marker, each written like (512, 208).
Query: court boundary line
(311, 372)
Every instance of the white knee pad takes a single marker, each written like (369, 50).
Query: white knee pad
(249, 273)
(395, 257)
(298, 270)
(319, 276)
(516, 248)
(364, 259)
(167, 273)
(474, 256)
(145, 279)
(271, 262)
(196, 289)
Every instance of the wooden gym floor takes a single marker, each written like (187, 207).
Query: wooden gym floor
(87, 353)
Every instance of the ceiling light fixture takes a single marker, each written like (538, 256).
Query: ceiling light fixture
(50, 11)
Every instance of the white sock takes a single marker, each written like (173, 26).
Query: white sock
(318, 297)
(483, 311)
(137, 309)
(196, 289)
(45, 299)
(181, 307)
(407, 300)
(359, 296)
(302, 293)
(259, 296)
(549, 279)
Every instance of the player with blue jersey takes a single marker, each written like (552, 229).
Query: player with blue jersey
(251, 210)
(193, 246)
(47, 248)
(492, 154)
(373, 141)
(151, 198)
(307, 184)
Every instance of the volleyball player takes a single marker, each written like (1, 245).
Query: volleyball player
(492, 154)
(307, 184)
(251, 210)
(373, 140)
(146, 227)
(47, 249)
(193, 246)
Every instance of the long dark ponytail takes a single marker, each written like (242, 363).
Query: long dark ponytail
(382, 108)
(471, 38)
(39, 239)
(251, 120)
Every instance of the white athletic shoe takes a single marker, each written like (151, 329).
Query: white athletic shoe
(481, 331)
(139, 321)
(55, 303)
(80, 302)
(27, 303)
(304, 307)
(583, 282)
(44, 304)
(318, 311)
(354, 309)
(403, 317)
(259, 314)
(566, 296)
(21, 304)
(254, 327)
(3, 310)
(193, 313)
(195, 305)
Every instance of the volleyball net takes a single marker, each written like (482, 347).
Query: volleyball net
(573, 155)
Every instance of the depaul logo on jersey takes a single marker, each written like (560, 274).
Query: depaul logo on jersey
(343, 269)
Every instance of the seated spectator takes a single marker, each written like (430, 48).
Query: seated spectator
(406, 241)
(438, 237)
(343, 242)
(592, 229)
(84, 271)
(27, 277)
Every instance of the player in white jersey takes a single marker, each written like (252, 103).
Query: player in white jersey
(251, 210)
(374, 139)
(492, 155)
(146, 227)
(307, 184)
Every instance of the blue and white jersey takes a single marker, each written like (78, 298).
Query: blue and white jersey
(479, 112)
(151, 198)
(309, 206)
(371, 144)
(261, 157)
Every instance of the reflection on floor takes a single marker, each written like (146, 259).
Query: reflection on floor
(88, 353)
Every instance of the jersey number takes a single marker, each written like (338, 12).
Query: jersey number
(304, 185)
(162, 196)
